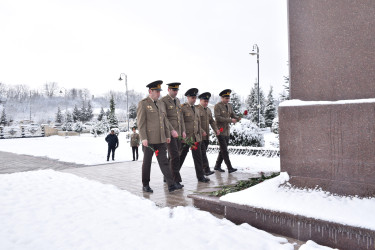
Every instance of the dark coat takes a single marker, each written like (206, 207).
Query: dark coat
(112, 140)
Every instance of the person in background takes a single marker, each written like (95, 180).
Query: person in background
(113, 143)
(134, 143)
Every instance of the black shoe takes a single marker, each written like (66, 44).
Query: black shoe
(113, 159)
(179, 185)
(133, 160)
(147, 189)
(203, 179)
(232, 170)
(209, 172)
(107, 159)
(219, 169)
(172, 188)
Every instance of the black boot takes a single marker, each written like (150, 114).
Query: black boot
(219, 169)
(207, 171)
(147, 189)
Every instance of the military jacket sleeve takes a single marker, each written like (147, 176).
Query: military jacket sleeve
(141, 120)
(212, 121)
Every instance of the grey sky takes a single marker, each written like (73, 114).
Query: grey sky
(200, 43)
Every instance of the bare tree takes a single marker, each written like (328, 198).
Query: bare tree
(50, 89)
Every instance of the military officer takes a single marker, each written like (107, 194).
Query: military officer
(172, 106)
(155, 134)
(224, 116)
(194, 133)
(206, 121)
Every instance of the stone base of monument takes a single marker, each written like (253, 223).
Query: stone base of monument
(330, 145)
(294, 226)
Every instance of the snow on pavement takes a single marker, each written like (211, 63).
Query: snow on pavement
(46, 209)
(316, 204)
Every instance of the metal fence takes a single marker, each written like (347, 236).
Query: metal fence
(21, 132)
(251, 151)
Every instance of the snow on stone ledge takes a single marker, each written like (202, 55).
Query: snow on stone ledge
(297, 102)
(316, 204)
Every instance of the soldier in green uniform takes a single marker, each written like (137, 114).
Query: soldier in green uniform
(134, 143)
(155, 134)
(194, 132)
(206, 121)
(224, 116)
(172, 106)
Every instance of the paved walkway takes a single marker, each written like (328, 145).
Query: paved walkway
(126, 176)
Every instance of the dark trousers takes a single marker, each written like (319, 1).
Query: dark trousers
(197, 157)
(111, 149)
(174, 149)
(223, 154)
(162, 160)
(206, 165)
(135, 150)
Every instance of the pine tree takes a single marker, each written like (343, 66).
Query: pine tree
(69, 117)
(89, 112)
(252, 105)
(3, 119)
(285, 94)
(132, 111)
(101, 114)
(112, 105)
(76, 114)
(112, 119)
(236, 102)
(107, 113)
(59, 117)
(83, 112)
(270, 111)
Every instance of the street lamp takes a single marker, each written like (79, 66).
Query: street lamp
(127, 96)
(66, 110)
(254, 52)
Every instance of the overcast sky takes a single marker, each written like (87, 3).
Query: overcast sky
(88, 43)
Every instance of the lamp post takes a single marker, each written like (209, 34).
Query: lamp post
(254, 52)
(66, 110)
(127, 96)
(30, 105)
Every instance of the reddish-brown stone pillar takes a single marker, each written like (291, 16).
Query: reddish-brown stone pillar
(328, 138)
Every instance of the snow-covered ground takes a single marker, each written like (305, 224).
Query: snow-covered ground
(46, 209)
(88, 150)
(316, 204)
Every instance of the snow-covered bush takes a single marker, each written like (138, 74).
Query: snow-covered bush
(243, 133)
(67, 126)
(275, 125)
(77, 127)
(100, 127)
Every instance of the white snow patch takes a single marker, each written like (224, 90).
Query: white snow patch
(311, 245)
(85, 149)
(316, 204)
(51, 210)
(296, 102)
